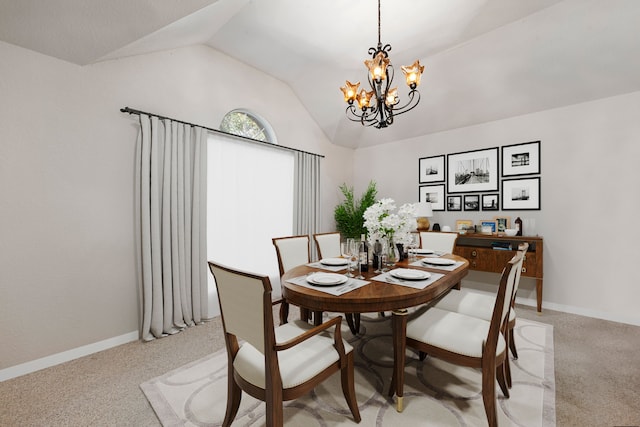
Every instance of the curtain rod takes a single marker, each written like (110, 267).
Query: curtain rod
(244, 138)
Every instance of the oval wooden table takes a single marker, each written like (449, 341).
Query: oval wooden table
(377, 297)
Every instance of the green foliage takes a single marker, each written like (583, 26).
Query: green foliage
(349, 214)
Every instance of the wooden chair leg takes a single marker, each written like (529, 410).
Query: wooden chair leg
(284, 312)
(422, 355)
(348, 387)
(234, 395)
(512, 344)
(502, 380)
(489, 392)
(507, 371)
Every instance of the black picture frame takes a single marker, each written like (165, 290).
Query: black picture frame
(431, 169)
(454, 203)
(471, 202)
(521, 194)
(473, 171)
(433, 194)
(490, 202)
(521, 159)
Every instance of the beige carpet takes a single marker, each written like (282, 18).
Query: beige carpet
(436, 393)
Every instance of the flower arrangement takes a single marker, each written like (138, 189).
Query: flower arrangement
(381, 221)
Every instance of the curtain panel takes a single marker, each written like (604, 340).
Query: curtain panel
(306, 198)
(170, 205)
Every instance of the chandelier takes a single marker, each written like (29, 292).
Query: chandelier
(378, 106)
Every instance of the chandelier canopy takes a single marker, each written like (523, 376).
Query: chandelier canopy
(378, 106)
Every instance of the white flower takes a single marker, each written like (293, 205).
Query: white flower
(381, 222)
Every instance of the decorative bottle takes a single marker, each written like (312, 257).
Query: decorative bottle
(377, 249)
(364, 254)
(518, 223)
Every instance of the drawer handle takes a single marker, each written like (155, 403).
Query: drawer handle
(524, 269)
(474, 253)
(473, 263)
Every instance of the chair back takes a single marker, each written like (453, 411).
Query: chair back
(522, 249)
(328, 245)
(504, 299)
(439, 241)
(291, 251)
(245, 304)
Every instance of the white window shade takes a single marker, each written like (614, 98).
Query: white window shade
(249, 201)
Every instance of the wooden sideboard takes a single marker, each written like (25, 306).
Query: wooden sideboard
(487, 253)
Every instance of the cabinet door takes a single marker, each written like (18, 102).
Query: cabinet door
(491, 260)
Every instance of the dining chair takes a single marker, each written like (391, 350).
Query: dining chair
(275, 364)
(481, 306)
(469, 341)
(328, 244)
(291, 251)
(439, 241)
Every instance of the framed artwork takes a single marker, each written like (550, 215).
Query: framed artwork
(521, 159)
(473, 171)
(433, 194)
(490, 202)
(489, 226)
(454, 203)
(464, 224)
(502, 223)
(521, 194)
(431, 169)
(472, 202)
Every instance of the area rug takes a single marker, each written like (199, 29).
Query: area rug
(436, 393)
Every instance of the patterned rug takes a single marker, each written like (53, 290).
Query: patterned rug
(436, 393)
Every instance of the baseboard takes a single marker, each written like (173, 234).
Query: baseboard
(531, 302)
(65, 356)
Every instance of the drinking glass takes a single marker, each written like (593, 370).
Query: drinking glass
(413, 244)
(384, 258)
(346, 248)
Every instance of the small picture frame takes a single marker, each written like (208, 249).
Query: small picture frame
(521, 159)
(490, 202)
(464, 225)
(454, 203)
(471, 202)
(502, 223)
(431, 169)
(433, 194)
(521, 194)
(489, 226)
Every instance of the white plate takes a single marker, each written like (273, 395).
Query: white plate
(409, 274)
(438, 261)
(420, 251)
(327, 279)
(334, 261)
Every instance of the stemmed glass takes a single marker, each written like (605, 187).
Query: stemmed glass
(414, 243)
(346, 248)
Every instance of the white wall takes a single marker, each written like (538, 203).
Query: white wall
(67, 258)
(589, 165)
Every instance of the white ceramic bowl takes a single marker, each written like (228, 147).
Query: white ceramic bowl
(510, 231)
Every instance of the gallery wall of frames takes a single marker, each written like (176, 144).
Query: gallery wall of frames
(499, 178)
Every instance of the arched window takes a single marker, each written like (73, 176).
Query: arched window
(247, 123)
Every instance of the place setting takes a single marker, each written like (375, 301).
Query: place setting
(331, 264)
(437, 263)
(331, 283)
(410, 277)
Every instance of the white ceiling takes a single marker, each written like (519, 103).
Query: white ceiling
(484, 60)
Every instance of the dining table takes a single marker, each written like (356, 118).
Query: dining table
(408, 283)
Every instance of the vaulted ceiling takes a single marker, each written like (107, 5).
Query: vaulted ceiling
(484, 60)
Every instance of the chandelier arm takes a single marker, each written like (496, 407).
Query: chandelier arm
(364, 118)
(414, 95)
